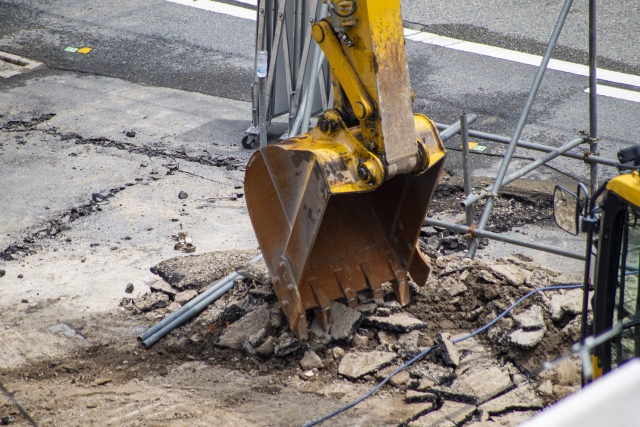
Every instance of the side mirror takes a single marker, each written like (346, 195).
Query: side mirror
(566, 210)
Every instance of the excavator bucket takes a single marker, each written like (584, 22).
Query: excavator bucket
(325, 236)
(339, 209)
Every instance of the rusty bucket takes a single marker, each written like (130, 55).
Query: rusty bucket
(324, 236)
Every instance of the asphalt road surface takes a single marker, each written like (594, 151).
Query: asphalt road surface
(166, 44)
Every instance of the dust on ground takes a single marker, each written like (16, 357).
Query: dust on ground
(213, 372)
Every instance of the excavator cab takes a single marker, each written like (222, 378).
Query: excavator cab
(338, 210)
(613, 229)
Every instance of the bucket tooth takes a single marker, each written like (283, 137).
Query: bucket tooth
(419, 269)
(373, 282)
(325, 317)
(402, 291)
(300, 328)
(323, 311)
(350, 297)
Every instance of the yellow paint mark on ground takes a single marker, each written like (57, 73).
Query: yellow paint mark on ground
(471, 145)
(84, 50)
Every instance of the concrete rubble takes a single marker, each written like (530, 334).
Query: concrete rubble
(250, 324)
(450, 414)
(448, 349)
(521, 398)
(477, 385)
(569, 302)
(477, 382)
(531, 328)
(356, 365)
(399, 322)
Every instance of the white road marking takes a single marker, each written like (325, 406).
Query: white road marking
(614, 92)
(519, 57)
(251, 2)
(226, 9)
(448, 42)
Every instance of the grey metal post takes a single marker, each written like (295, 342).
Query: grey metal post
(315, 71)
(455, 128)
(521, 122)
(593, 101)
(263, 112)
(466, 165)
(316, 64)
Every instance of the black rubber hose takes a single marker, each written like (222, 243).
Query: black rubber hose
(335, 10)
(428, 350)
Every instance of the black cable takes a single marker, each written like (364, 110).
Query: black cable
(428, 350)
(18, 405)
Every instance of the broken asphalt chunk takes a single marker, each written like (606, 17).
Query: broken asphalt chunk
(519, 399)
(356, 365)
(245, 327)
(413, 396)
(477, 385)
(150, 302)
(345, 321)
(451, 414)
(287, 343)
(531, 319)
(399, 322)
(527, 339)
(449, 351)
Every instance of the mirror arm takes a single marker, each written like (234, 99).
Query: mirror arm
(584, 208)
(595, 196)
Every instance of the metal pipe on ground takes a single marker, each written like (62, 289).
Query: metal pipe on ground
(469, 201)
(497, 185)
(450, 131)
(190, 309)
(586, 157)
(475, 233)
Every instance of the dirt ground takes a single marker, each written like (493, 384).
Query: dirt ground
(187, 379)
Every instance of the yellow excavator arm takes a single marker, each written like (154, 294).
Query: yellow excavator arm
(338, 210)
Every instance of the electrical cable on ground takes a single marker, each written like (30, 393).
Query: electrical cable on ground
(18, 405)
(428, 350)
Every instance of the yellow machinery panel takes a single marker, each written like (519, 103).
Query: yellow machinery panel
(338, 210)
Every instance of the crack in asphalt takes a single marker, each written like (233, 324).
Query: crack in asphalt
(60, 223)
(230, 163)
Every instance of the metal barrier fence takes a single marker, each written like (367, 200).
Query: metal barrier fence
(295, 72)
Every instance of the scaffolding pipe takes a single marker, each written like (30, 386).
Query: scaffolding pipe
(593, 100)
(495, 189)
(475, 233)
(450, 131)
(469, 201)
(466, 166)
(586, 157)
